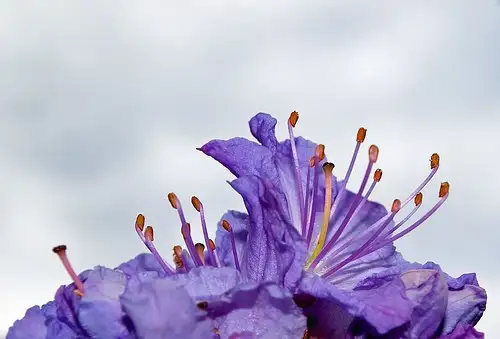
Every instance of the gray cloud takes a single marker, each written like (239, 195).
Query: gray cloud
(102, 108)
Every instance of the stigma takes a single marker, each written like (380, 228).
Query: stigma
(331, 245)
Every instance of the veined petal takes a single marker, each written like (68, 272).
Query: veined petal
(256, 310)
(275, 251)
(159, 309)
(384, 305)
(100, 312)
(463, 331)
(428, 292)
(141, 263)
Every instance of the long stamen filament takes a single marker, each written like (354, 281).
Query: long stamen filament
(229, 229)
(199, 207)
(149, 238)
(292, 121)
(396, 206)
(434, 161)
(213, 249)
(315, 199)
(185, 229)
(373, 155)
(328, 168)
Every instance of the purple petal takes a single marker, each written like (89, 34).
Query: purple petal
(258, 311)
(240, 223)
(100, 312)
(463, 331)
(262, 128)
(207, 283)
(159, 308)
(141, 263)
(31, 326)
(275, 251)
(428, 292)
(242, 157)
(327, 319)
(466, 299)
(383, 305)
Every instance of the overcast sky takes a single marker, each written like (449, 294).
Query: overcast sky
(103, 104)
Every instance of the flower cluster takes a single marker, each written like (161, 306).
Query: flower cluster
(308, 259)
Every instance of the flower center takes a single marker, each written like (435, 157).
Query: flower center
(331, 251)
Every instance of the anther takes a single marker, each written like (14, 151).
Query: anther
(312, 161)
(200, 249)
(328, 167)
(227, 226)
(211, 245)
(196, 203)
(203, 305)
(377, 176)
(360, 137)
(172, 198)
(444, 189)
(320, 152)
(294, 117)
(418, 198)
(61, 253)
(139, 222)
(434, 160)
(373, 153)
(184, 229)
(149, 234)
(396, 206)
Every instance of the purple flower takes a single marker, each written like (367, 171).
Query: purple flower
(145, 296)
(210, 302)
(324, 239)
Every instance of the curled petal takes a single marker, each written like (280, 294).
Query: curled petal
(275, 251)
(141, 263)
(31, 326)
(463, 331)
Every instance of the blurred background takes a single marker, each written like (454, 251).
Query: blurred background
(102, 105)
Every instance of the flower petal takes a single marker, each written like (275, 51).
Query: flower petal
(463, 331)
(141, 263)
(262, 127)
(100, 312)
(428, 293)
(383, 305)
(258, 311)
(159, 309)
(275, 251)
(31, 326)
(208, 283)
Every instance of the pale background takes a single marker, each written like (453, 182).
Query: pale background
(103, 103)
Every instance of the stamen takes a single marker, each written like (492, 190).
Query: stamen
(377, 176)
(434, 161)
(185, 230)
(61, 253)
(418, 202)
(396, 206)
(149, 238)
(373, 156)
(292, 121)
(177, 258)
(213, 249)
(312, 218)
(200, 248)
(443, 195)
(328, 169)
(360, 138)
(199, 207)
(229, 229)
